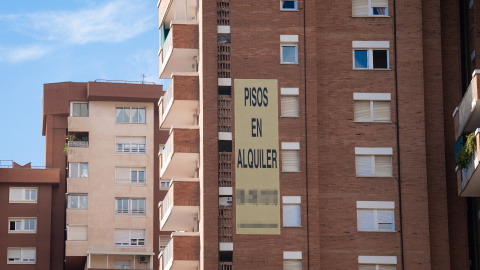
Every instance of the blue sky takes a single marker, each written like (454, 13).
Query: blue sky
(56, 41)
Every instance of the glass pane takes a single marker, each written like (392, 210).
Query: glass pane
(141, 175)
(126, 115)
(288, 4)
(119, 115)
(83, 170)
(134, 175)
(76, 109)
(84, 109)
(141, 115)
(289, 54)
(134, 148)
(380, 59)
(379, 11)
(33, 224)
(126, 148)
(361, 59)
(27, 195)
(83, 202)
(18, 225)
(134, 113)
(33, 195)
(73, 202)
(141, 148)
(119, 147)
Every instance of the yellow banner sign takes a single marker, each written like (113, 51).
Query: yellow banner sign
(257, 157)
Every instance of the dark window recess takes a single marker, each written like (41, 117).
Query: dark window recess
(288, 5)
(380, 59)
(223, 38)
(225, 256)
(12, 225)
(224, 146)
(458, 146)
(224, 90)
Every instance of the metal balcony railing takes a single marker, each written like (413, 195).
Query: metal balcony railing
(166, 152)
(168, 254)
(81, 144)
(167, 202)
(225, 266)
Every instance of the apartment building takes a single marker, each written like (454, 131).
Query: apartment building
(26, 199)
(105, 138)
(312, 134)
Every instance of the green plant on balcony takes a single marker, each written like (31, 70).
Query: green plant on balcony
(464, 157)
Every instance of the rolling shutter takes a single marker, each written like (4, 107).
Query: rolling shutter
(385, 220)
(292, 264)
(379, 3)
(290, 160)
(28, 254)
(122, 237)
(381, 111)
(359, 7)
(291, 215)
(365, 220)
(289, 106)
(13, 253)
(387, 267)
(15, 194)
(362, 111)
(363, 165)
(367, 267)
(383, 166)
(77, 233)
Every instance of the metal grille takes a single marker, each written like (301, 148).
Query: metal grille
(223, 60)
(225, 266)
(224, 114)
(225, 169)
(223, 12)
(225, 221)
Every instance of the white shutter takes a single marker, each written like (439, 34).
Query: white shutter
(383, 165)
(123, 140)
(122, 174)
(379, 3)
(363, 165)
(289, 106)
(139, 140)
(292, 264)
(291, 215)
(73, 171)
(366, 267)
(381, 111)
(122, 236)
(386, 267)
(15, 194)
(290, 160)
(365, 220)
(78, 233)
(362, 111)
(359, 7)
(13, 253)
(385, 220)
(137, 234)
(28, 254)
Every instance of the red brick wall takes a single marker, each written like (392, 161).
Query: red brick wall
(185, 36)
(186, 140)
(186, 193)
(185, 87)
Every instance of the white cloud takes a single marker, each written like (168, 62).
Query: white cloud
(113, 22)
(20, 54)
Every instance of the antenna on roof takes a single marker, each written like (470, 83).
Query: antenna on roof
(143, 78)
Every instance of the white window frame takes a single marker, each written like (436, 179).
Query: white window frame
(79, 196)
(376, 206)
(292, 256)
(164, 184)
(22, 259)
(291, 147)
(373, 152)
(373, 97)
(68, 232)
(121, 148)
(370, 10)
(76, 166)
(377, 261)
(78, 102)
(289, 41)
(130, 180)
(25, 196)
(129, 244)
(292, 201)
(130, 210)
(122, 264)
(289, 9)
(131, 115)
(289, 93)
(370, 46)
(22, 223)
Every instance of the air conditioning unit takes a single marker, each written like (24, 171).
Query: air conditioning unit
(143, 259)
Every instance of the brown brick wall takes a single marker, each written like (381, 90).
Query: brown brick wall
(185, 36)
(186, 248)
(186, 193)
(185, 140)
(185, 87)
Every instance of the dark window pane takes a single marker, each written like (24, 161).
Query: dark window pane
(361, 59)
(379, 11)
(288, 5)
(380, 59)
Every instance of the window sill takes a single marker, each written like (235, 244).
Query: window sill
(376, 231)
(380, 122)
(77, 208)
(282, 116)
(130, 215)
(290, 171)
(281, 63)
(385, 69)
(292, 226)
(22, 201)
(290, 10)
(373, 176)
(20, 262)
(22, 232)
(372, 16)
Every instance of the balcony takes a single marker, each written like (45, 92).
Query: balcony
(179, 209)
(467, 117)
(180, 102)
(180, 155)
(468, 179)
(182, 252)
(179, 52)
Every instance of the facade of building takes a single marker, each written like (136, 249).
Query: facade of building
(106, 137)
(321, 133)
(27, 197)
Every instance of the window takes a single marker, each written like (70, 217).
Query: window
(77, 232)
(135, 145)
(375, 216)
(290, 157)
(130, 115)
(77, 170)
(130, 175)
(370, 54)
(79, 109)
(24, 195)
(22, 225)
(289, 102)
(122, 265)
(21, 255)
(374, 161)
(288, 5)
(125, 237)
(77, 201)
(291, 211)
(371, 107)
(128, 206)
(292, 260)
(363, 8)
(164, 184)
(289, 49)
(377, 262)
